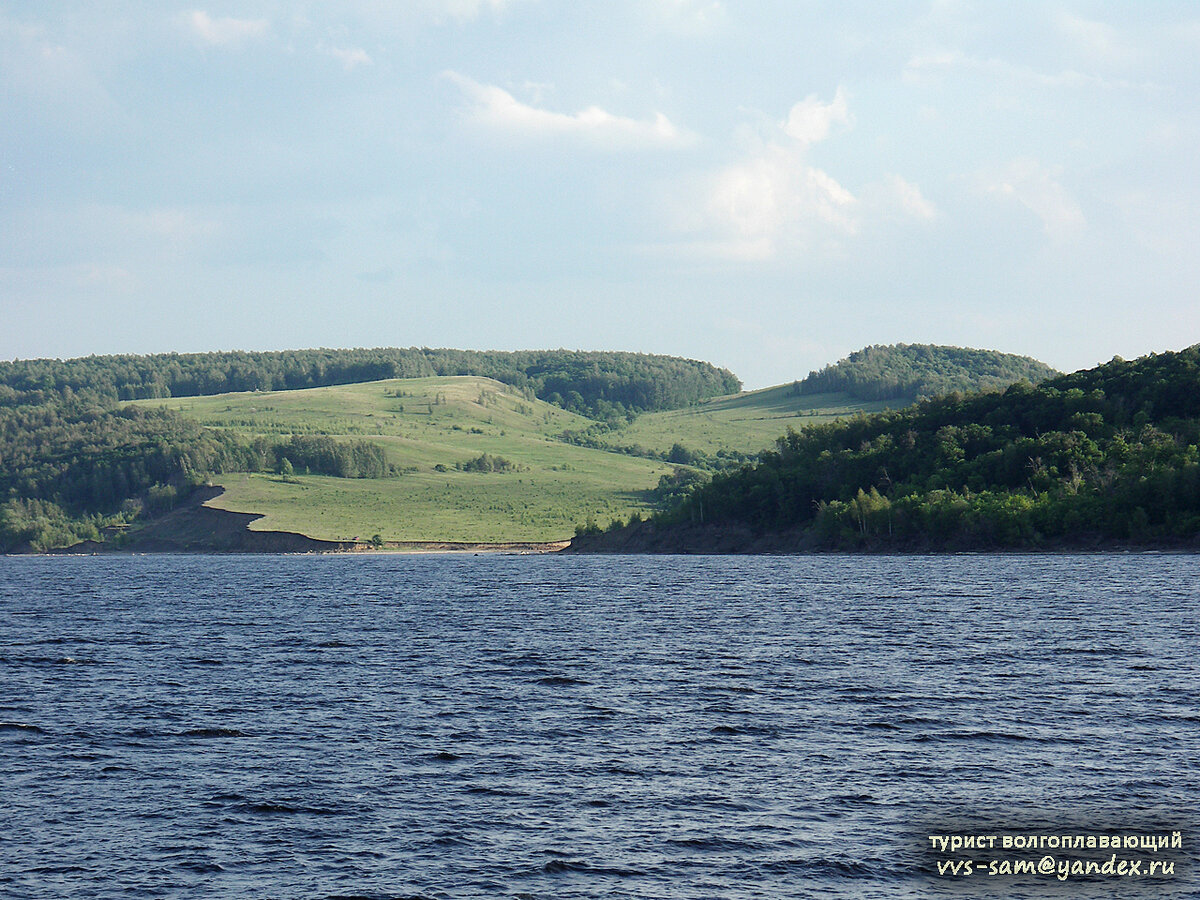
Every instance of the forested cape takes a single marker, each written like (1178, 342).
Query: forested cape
(74, 461)
(1103, 455)
(918, 371)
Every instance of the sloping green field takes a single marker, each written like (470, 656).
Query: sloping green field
(424, 424)
(746, 423)
(429, 427)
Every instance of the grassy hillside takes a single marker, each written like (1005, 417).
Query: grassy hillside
(457, 446)
(428, 427)
(1104, 455)
(741, 423)
(601, 384)
(431, 427)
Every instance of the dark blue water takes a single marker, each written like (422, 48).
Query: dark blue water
(564, 727)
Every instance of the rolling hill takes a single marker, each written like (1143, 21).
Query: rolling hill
(903, 373)
(742, 423)
(1099, 458)
(555, 440)
(433, 431)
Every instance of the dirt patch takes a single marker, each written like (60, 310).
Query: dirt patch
(194, 527)
(476, 547)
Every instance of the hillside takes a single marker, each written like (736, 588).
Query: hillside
(738, 425)
(717, 430)
(1105, 455)
(432, 458)
(909, 372)
(601, 384)
(434, 433)
(77, 462)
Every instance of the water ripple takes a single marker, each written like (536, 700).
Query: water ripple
(687, 727)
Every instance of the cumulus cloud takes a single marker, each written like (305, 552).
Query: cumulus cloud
(225, 30)
(777, 197)
(1098, 40)
(906, 197)
(810, 120)
(1036, 187)
(349, 57)
(689, 17)
(493, 107)
(408, 13)
(774, 201)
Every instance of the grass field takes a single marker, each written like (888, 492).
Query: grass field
(428, 426)
(746, 423)
(423, 424)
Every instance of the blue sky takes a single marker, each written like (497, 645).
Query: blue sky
(765, 185)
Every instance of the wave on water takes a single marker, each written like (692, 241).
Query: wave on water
(561, 681)
(577, 728)
(289, 806)
(212, 733)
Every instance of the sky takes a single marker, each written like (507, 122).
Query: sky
(764, 184)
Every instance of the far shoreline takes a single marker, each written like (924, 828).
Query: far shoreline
(565, 548)
(200, 529)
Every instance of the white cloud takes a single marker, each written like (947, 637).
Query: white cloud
(694, 17)
(775, 192)
(56, 82)
(388, 14)
(1036, 187)
(91, 276)
(493, 107)
(349, 57)
(1098, 40)
(774, 202)
(894, 200)
(907, 197)
(226, 30)
(947, 61)
(465, 10)
(810, 120)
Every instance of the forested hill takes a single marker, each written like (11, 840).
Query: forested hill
(75, 461)
(1109, 454)
(917, 371)
(599, 384)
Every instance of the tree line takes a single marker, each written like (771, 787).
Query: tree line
(1104, 454)
(597, 384)
(74, 459)
(68, 469)
(918, 371)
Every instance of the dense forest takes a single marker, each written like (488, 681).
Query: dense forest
(1104, 455)
(67, 470)
(75, 461)
(919, 371)
(597, 384)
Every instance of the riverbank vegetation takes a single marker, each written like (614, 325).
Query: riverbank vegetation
(541, 442)
(1107, 454)
(76, 459)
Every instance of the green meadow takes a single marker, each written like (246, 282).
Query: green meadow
(745, 423)
(430, 428)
